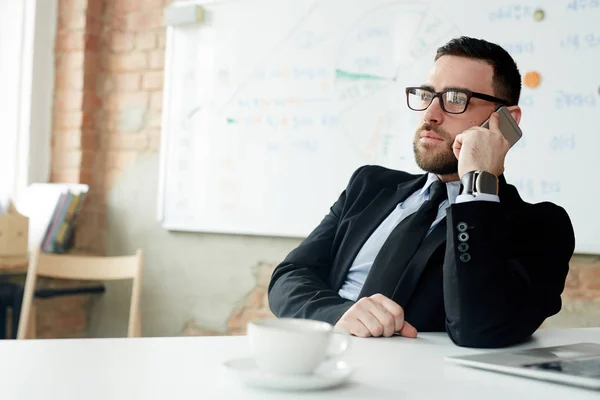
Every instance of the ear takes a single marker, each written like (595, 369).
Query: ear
(515, 112)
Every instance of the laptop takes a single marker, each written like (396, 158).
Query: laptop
(575, 364)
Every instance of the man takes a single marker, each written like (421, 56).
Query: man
(401, 253)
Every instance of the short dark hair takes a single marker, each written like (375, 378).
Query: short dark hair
(507, 79)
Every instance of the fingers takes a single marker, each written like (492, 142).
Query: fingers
(459, 139)
(354, 327)
(457, 145)
(479, 148)
(368, 318)
(376, 316)
(393, 310)
(494, 122)
(387, 322)
(360, 321)
(401, 326)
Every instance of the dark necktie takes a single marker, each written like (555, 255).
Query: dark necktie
(399, 248)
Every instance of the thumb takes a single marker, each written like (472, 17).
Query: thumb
(408, 330)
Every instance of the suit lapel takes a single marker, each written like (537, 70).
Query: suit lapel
(366, 223)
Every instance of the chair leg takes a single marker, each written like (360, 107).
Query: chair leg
(3, 322)
(138, 324)
(17, 302)
(31, 326)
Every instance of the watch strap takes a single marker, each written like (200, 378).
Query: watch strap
(468, 183)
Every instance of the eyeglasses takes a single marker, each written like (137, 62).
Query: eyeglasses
(452, 101)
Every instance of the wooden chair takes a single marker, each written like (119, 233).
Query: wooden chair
(77, 267)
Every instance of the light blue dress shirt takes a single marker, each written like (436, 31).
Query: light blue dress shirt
(364, 259)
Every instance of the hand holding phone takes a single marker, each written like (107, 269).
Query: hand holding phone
(508, 126)
(478, 151)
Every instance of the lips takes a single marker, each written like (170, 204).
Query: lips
(430, 135)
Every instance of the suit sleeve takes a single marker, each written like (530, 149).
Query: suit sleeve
(504, 274)
(299, 285)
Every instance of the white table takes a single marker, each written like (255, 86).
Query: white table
(190, 368)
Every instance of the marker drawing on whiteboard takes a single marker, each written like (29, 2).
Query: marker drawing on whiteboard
(306, 145)
(294, 29)
(511, 12)
(520, 47)
(353, 76)
(576, 41)
(568, 100)
(372, 32)
(308, 39)
(549, 187)
(563, 143)
(526, 100)
(581, 5)
(193, 112)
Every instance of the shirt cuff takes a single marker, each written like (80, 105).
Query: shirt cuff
(465, 198)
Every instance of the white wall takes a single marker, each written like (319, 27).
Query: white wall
(186, 276)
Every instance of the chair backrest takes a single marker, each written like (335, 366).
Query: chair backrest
(78, 267)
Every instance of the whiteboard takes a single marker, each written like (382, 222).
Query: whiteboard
(270, 105)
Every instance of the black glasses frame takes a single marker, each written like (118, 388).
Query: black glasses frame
(468, 93)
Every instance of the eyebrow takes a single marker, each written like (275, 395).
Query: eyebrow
(429, 87)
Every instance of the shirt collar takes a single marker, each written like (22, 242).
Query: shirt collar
(453, 188)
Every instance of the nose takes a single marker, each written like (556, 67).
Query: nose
(434, 114)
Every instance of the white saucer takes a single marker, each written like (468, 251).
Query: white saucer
(329, 374)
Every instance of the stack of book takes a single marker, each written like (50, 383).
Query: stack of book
(57, 238)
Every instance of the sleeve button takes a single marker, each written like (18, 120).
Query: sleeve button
(463, 236)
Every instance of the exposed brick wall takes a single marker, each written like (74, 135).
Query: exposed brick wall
(107, 115)
(76, 139)
(255, 305)
(581, 298)
(63, 316)
(583, 282)
(108, 98)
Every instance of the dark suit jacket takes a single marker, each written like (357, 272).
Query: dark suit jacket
(494, 294)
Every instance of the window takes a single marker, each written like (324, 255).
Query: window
(27, 34)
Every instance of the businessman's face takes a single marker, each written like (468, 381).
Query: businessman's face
(435, 136)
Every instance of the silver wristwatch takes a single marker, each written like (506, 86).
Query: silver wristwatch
(476, 182)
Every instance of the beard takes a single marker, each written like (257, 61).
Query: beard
(437, 160)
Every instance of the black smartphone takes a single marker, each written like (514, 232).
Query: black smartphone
(508, 126)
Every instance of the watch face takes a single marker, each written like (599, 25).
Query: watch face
(486, 183)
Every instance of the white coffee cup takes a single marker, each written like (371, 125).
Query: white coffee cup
(290, 346)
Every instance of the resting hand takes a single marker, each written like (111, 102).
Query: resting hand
(376, 315)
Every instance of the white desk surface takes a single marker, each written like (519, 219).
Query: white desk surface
(191, 368)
